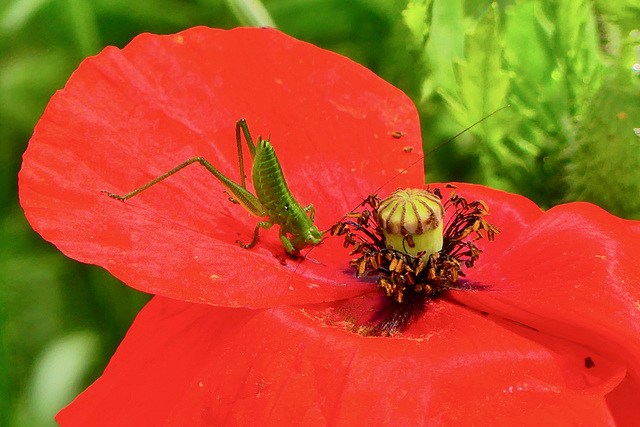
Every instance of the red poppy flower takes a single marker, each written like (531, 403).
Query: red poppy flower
(552, 337)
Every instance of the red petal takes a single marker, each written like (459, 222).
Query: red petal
(188, 364)
(126, 116)
(571, 272)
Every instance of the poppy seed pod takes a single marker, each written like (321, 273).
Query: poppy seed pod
(411, 221)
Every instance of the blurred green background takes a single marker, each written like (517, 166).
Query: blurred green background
(568, 68)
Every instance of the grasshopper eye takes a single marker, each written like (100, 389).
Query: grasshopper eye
(315, 236)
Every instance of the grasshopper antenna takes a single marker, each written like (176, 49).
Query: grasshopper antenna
(428, 153)
(406, 169)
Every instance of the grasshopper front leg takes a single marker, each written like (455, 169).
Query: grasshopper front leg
(288, 246)
(311, 210)
(262, 224)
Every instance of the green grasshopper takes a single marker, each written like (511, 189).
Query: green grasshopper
(273, 198)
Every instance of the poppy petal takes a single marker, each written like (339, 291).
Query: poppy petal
(569, 272)
(190, 364)
(127, 116)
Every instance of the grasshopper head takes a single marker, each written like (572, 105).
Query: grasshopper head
(311, 237)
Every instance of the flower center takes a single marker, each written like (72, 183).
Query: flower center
(403, 242)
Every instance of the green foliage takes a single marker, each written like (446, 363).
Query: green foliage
(566, 67)
(418, 20)
(251, 13)
(549, 60)
(605, 158)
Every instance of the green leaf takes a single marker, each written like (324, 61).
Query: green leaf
(84, 26)
(629, 60)
(529, 53)
(58, 376)
(576, 43)
(417, 18)
(482, 83)
(604, 164)
(19, 13)
(623, 13)
(27, 81)
(251, 13)
(121, 20)
(446, 42)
